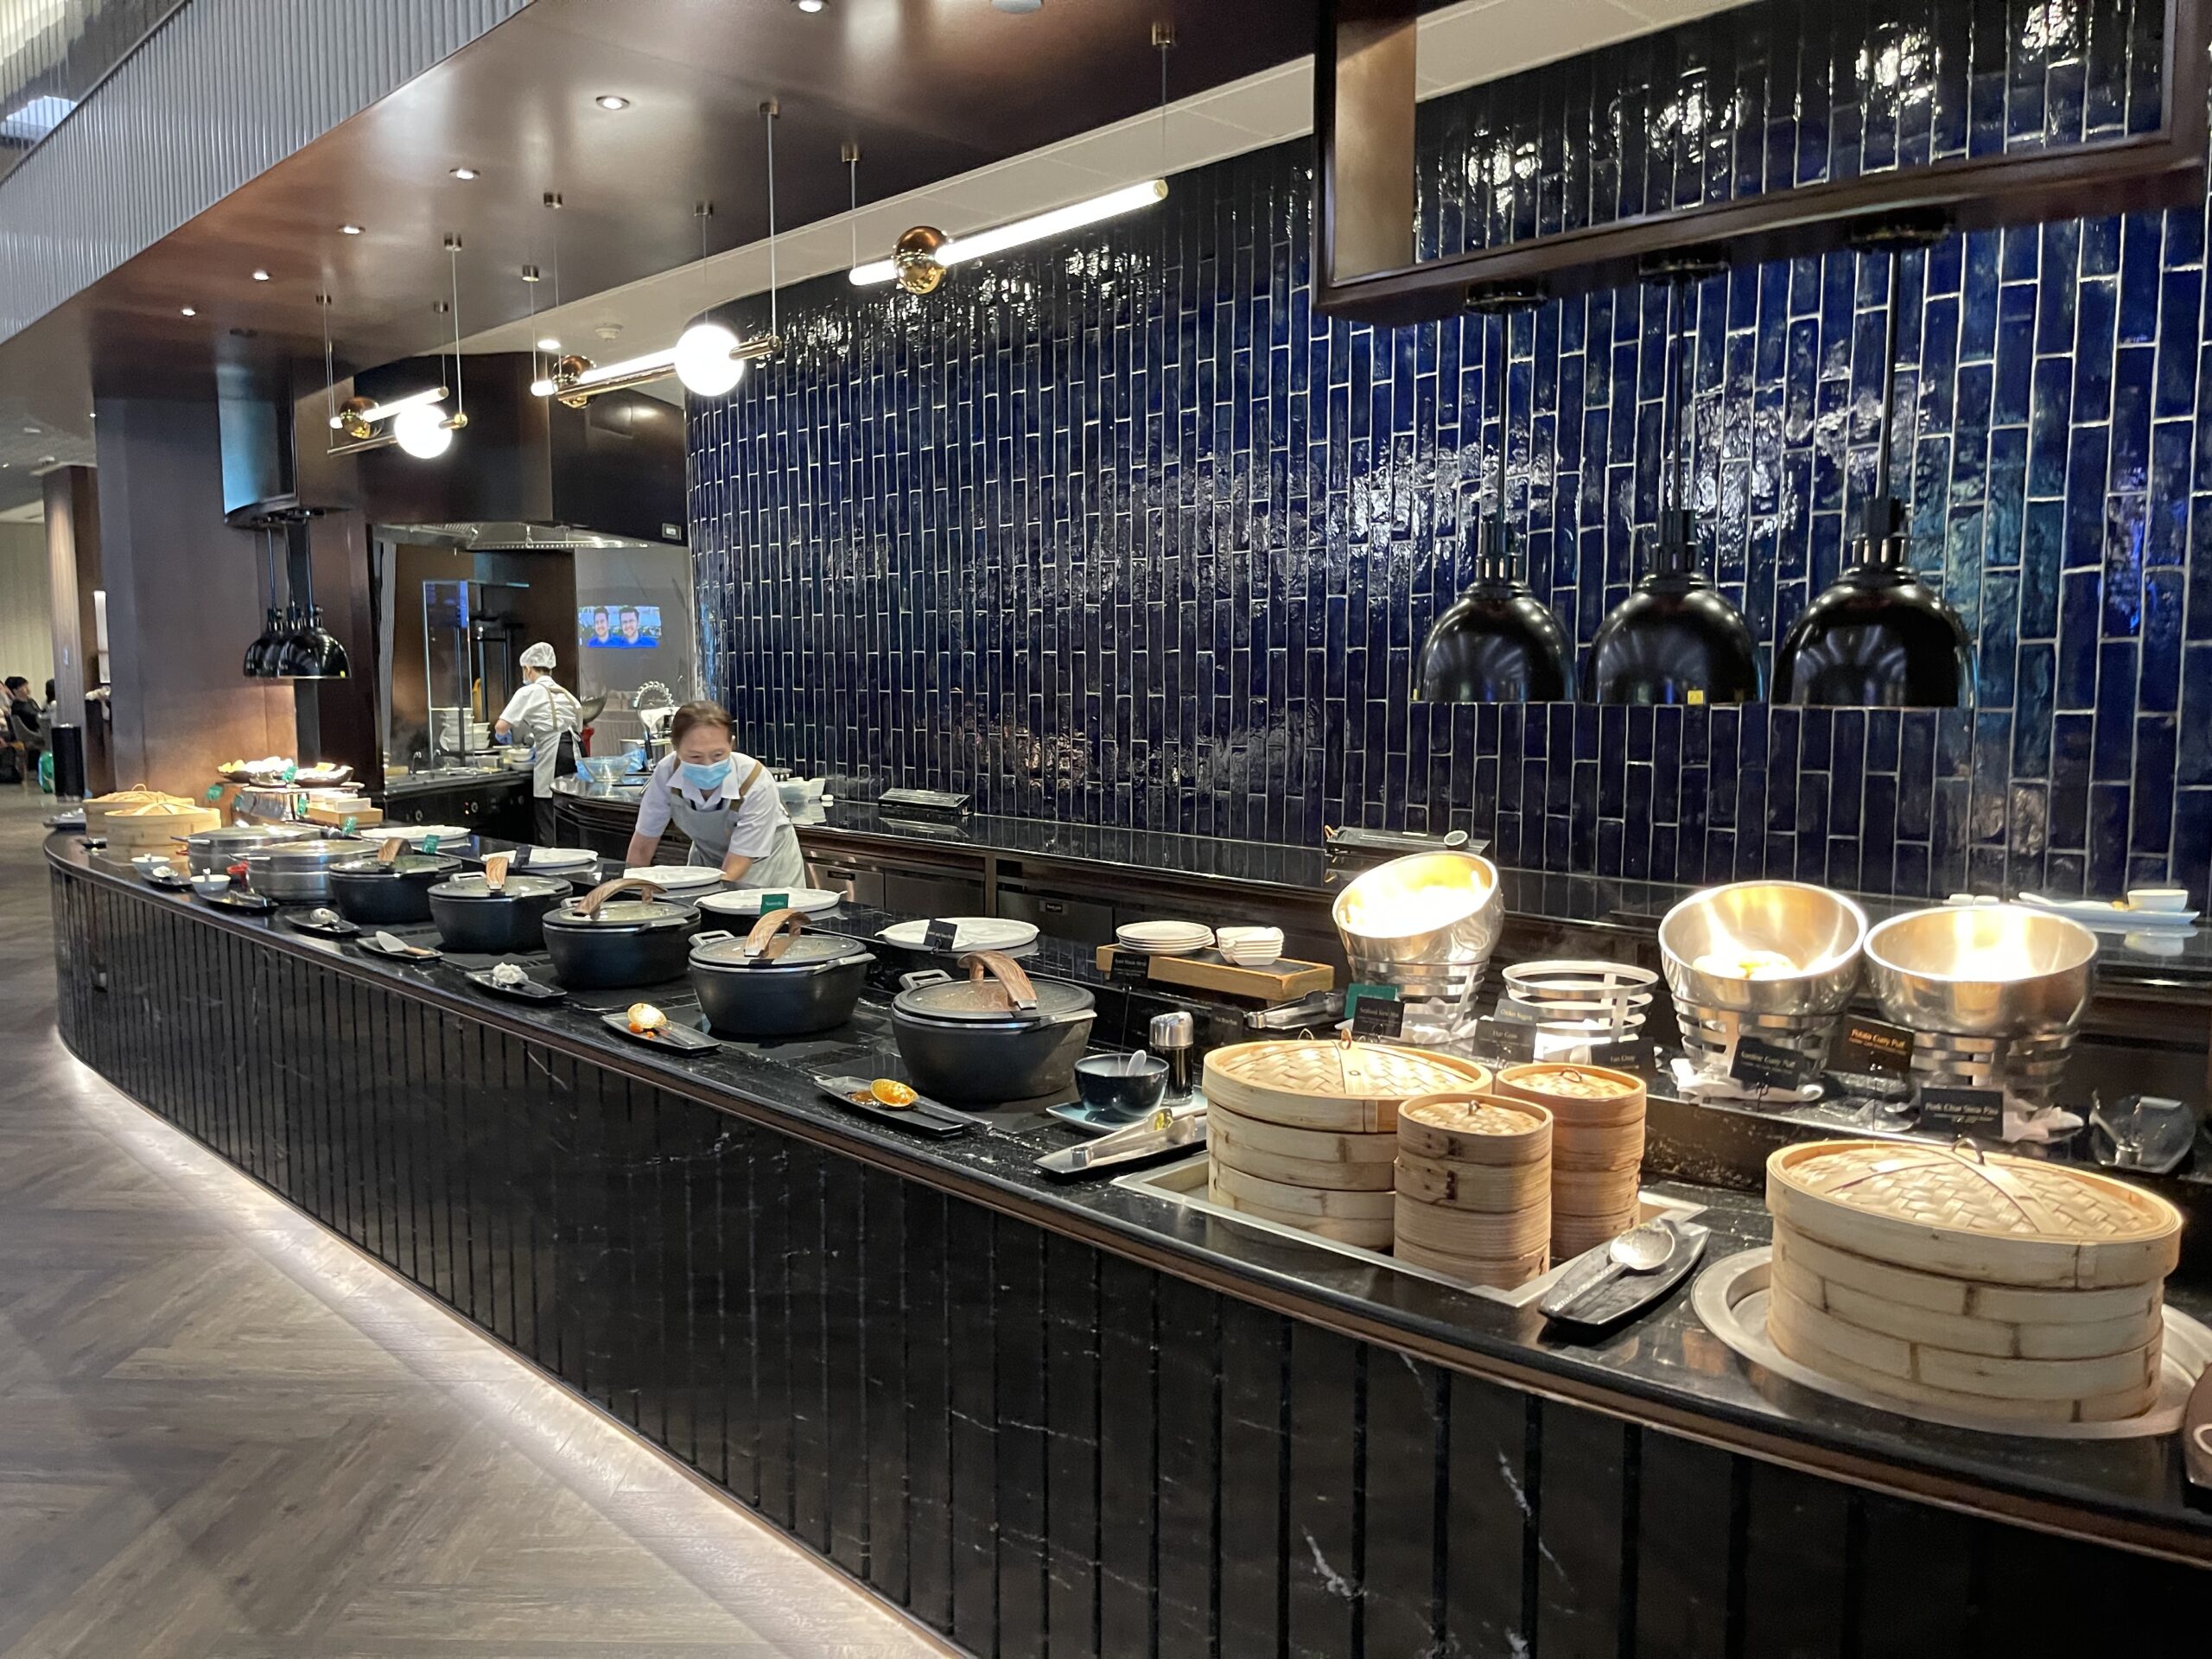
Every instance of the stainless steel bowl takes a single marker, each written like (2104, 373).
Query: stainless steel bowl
(1982, 970)
(1427, 924)
(299, 871)
(1823, 932)
(212, 852)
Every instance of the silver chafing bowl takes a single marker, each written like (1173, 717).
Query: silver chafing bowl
(1428, 925)
(1822, 932)
(299, 871)
(1993, 993)
(213, 851)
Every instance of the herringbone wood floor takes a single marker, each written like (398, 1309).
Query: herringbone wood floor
(223, 1434)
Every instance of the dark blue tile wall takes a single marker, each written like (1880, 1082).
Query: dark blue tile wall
(1119, 530)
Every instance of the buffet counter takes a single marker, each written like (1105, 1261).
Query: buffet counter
(1013, 1407)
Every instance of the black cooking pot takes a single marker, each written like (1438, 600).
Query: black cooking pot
(992, 1036)
(366, 890)
(603, 939)
(773, 983)
(473, 915)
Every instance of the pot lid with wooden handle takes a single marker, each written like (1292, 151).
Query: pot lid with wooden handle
(996, 992)
(775, 944)
(399, 864)
(473, 889)
(605, 910)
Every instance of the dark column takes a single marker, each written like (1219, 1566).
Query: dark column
(72, 562)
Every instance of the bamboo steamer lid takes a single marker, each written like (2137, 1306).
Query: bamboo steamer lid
(1502, 1273)
(1472, 1186)
(1286, 1201)
(1482, 1235)
(1470, 1128)
(1310, 1146)
(1584, 1096)
(1351, 1086)
(1974, 1216)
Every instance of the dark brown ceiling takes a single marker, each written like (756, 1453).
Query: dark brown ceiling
(929, 89)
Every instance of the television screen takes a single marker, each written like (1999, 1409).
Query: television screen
(618, 628)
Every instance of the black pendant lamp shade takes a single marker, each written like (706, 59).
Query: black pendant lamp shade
(313, 653)
(1879, 638)
(1676, 638)
(1497, 642)
(261, 656)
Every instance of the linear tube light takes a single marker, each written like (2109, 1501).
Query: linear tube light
(923, 259)
(389, 407)
(576, 381)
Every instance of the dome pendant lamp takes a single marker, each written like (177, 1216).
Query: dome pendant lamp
(1675, 638)
(1879, 638)
(1498, 642)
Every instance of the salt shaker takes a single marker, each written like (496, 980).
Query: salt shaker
(1171, 1038)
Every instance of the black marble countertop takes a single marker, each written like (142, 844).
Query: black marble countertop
(456, 780)
(1664, 1369)
(1311, 874)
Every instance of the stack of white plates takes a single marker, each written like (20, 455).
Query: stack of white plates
(676, 878)
(1164, 938)
(1250, 947)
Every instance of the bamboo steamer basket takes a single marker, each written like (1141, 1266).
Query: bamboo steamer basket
(1347, 1087)
(1475, 1236)
(1597, 1147)
(1503, 1275)
(1591, 1097)
(1301, 1157)
(1474, 1187)
(1977, 1283)
(1301, 1207)
(100, 808)
(1469, 1126)
(156, 826)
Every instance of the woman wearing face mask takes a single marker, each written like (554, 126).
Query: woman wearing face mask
(724, 801)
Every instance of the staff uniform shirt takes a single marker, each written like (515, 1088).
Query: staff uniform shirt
(539, 713)
(730, 819)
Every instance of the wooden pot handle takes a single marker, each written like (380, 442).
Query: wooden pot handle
(495, 870)
(393, 845)
(763, 941)
(1012, 980)
(589, 906)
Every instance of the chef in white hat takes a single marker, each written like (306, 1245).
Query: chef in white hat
(540, 713)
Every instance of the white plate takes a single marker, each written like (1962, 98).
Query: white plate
(560, 858)
(415, 834)
(971, 933)
(675, 877)
(745, 901)
(1181, 935)
(2112, 918)
(1190, 950)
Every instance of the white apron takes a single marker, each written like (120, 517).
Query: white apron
(781, 869)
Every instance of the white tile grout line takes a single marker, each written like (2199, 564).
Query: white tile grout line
(668, 1508)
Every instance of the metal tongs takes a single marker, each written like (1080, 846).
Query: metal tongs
(1159, 1132)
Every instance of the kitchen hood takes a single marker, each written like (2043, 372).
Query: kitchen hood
(528, 473)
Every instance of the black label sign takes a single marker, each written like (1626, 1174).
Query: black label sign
(521, 859)
(1378, 1017)
(940, 936)
(1873, 1048)
(1129, 968)
(1761, 1064)
(1947, 1110)
(1509, 1042)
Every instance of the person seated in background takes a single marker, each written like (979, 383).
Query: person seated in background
(26, 722)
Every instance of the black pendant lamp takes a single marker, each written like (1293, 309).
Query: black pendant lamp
(261, 656)
(311, 651)
(1879, 638)
(1675, 638)
(1497, 642)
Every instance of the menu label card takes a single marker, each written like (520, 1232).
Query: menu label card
(1129, 968)
(1375, 1011)
(349, 826)
(1761, 1064)
(1873, 1048)
(429, 843)
(772, 902)
(1977, 1112)
(940, 936)
(214, 794)
(1506, 1042)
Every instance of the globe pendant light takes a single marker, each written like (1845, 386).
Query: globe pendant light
(1675, 638)
(1879, 638)
(1497, 642)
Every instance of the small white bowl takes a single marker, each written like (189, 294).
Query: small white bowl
(2158, 898)
(208, 886)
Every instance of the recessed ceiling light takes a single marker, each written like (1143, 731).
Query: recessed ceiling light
(260, 276)
(612, 101)
(549, 344)
(529, 274)
(46, 460)
(188, 310)
(464, 174)
(811, 6)
(349, 229)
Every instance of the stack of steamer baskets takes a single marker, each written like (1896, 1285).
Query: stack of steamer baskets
(1474, 1176)
(1988, 1285)
(1597, 1147)
(1306, 1133)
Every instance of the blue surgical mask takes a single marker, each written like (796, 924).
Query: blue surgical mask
(705, 778)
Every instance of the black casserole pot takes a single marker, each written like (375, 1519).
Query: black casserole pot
(773, 982)
(994, 1036)
(367, 890)
(473, 915)
(606, 939)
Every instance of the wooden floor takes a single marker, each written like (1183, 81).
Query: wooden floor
(225, 1434)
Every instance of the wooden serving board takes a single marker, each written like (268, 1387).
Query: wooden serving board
(1282, 981)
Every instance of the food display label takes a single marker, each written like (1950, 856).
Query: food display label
(429, 843)
(1129, 968)
(1506, 1042)
(349, 826)
(520, 859)
(1873, 1048)
(1375, 1011)
(1945, 1110)
(291, 771)
(772, 902)
(1761, 1064)
(214, 794)
(940, 936)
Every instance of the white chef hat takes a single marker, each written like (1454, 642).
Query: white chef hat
(537, 656)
